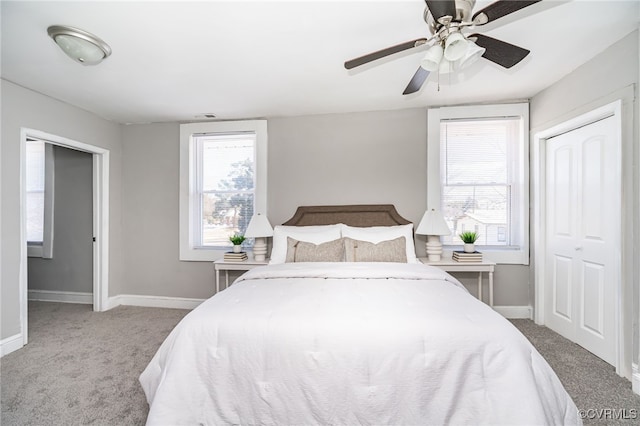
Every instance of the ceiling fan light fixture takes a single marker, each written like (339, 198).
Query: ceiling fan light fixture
(431, 60)
(455, 46)
(81, 46)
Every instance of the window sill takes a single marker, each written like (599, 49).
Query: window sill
(34, 251)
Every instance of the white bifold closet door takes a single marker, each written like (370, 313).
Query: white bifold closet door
(583, 236)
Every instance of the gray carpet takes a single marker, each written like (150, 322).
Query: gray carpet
(82, 367)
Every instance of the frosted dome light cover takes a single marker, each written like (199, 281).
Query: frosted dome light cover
(79, 45)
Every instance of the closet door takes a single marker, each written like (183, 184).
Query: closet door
(583, 236)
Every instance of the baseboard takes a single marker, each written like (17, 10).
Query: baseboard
(635, 378)
(11, 344)
(514, 312)
(61, 296)
(153, 301)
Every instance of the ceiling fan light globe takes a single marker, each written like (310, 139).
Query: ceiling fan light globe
(455, 47)
(474, 52)
(432, 59)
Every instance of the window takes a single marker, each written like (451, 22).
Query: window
(478, 176)
(222, 184)
(39, 202)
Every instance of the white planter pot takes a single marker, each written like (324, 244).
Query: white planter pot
(237, 248)
(469, 248)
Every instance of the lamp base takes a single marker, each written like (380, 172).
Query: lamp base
(434, 248)
(260, 249)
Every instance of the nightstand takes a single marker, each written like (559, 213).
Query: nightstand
(226, 266)
(451, 265)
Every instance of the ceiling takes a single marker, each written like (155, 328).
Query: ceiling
(175, 61)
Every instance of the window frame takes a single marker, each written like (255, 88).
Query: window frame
(515, 254)
(189, 201)
(44, 249)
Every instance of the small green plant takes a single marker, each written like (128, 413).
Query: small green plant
(237, 239)
(468, 237)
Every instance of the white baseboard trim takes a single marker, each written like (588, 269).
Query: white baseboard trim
(11, 344)
(61, 296)
(514, 312)
(635, 378)
(153, 301)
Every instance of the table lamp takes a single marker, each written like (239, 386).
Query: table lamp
(433, 225)
(259, 228)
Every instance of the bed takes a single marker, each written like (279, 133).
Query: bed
(366, 338)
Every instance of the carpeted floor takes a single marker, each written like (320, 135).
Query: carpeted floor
(82, 367)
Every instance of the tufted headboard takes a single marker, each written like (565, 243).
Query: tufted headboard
(354, 215)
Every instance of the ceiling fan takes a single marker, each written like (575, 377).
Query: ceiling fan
(449, 48)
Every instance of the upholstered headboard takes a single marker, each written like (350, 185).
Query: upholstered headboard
(353, 215)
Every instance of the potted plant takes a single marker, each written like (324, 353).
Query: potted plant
(469, 238)
(237, 240)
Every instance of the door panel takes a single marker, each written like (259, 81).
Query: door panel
(562, 282)
(564, 188)
(592, 298)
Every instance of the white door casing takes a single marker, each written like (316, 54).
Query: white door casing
(583, 236)
(100, 221)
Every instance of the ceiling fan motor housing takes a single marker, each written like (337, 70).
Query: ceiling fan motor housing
(464, 10)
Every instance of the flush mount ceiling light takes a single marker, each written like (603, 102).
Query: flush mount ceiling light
(79, 45)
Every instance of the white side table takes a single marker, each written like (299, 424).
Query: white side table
(451, 265)
(226, 266)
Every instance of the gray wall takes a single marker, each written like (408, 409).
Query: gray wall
(358, 158)
(594, 84)
(150, 217)
(25, 108)
(71, 268)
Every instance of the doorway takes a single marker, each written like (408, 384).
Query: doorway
(578, 231)
(59, 223)
(100, 204)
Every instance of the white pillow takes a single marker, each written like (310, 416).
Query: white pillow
(376, 234)
(309, 234)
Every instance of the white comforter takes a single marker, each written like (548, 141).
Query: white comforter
(350, 344)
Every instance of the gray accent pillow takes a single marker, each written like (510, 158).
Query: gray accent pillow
(385, 251)
(301, 251)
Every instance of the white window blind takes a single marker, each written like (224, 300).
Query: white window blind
(477, 175)
(35, 191)
(226, 184)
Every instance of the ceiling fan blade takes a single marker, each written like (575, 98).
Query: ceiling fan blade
(440, 8)
(500, 52)
(499, 9)
(417, 81)
(356, 62)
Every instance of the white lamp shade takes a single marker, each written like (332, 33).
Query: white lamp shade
(432, 59)
(474, 52)
(455, 46)
(259, 226)
(433, 223)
